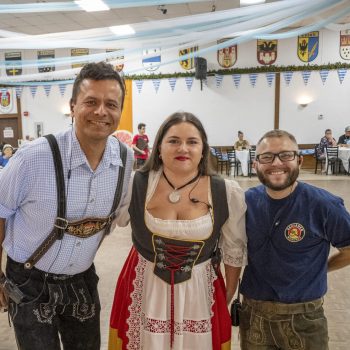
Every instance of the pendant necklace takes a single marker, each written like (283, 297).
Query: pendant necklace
(175, 196)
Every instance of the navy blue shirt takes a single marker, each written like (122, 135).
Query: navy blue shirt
(289, 242)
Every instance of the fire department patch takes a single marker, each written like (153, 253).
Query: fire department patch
(294, 232)
(345, 44)
(308, 46)
(266, 51)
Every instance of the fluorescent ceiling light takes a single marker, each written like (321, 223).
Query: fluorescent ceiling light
(92, 5)
(251, 2)
(122, 30)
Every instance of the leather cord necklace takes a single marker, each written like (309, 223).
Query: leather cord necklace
(175, 196)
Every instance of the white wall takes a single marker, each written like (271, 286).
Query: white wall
(226, 109)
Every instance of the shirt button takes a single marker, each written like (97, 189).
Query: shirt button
(78, 244)
(70, 265)
(92, 200)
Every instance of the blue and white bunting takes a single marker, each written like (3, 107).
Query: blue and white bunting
(341, 74)
(218, 80)
(253, 77)
(156, 83)
(324, 75)
(189, 82)
(236, 79)
(62, 88)
(270, 76)
(306, 76)
(172, 83)
(139, 84)
(47, 89)
(33, 89)
(287, 77)
(19, 90)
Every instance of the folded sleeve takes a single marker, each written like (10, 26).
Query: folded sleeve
(233, 240)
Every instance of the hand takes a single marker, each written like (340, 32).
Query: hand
(3, 300)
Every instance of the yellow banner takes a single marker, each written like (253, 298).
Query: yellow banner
(126, 119)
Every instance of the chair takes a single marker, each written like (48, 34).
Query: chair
(221, 161)
(333, 159)
(252, 155)
(233, 162)
(319, 159)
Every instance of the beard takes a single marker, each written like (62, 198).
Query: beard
(290, 180)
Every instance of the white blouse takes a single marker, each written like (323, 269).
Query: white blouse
(233, 240)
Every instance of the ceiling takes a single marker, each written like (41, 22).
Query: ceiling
(53, 22)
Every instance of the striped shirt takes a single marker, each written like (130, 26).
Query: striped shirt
(28, 200)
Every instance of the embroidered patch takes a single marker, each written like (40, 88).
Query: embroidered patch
(294, 232)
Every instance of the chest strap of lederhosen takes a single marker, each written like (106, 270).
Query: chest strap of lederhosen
(82, 228)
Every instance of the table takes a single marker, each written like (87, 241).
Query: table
(344, 155)
(243, 157)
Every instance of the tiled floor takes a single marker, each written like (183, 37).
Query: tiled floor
(115, 248)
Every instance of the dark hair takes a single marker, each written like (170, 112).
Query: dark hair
(277, 134)
(240, 132)
(328, 130)
(97, 71)
(154, 162)
(140, 126)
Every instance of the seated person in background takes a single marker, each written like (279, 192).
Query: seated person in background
(140, 146)
(7, 152)
(241, 143)
(344, 140)
(326, 141)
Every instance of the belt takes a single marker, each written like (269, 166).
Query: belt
(282, 308)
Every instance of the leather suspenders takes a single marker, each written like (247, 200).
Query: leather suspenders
(61, 224)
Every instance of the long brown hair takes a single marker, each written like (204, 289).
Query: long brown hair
(154, 162)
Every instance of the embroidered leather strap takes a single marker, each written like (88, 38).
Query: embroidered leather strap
(61, 224)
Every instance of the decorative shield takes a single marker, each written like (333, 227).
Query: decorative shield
(117, 61)
(79, 52)
(13, 63)
(308, 46)
(5, 98)
(266, 51)
(151, 59)
(345, 44)
(44, 55)
(7, 101)
(189, 62)
(227, 56)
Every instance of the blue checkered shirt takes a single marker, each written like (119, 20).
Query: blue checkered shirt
(28, 200)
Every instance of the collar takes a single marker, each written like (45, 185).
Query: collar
(77, 157)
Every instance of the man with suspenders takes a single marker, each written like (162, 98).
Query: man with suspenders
(59, 196)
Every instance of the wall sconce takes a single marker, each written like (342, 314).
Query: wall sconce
(303, 105)
(66, 110)
(303, 101)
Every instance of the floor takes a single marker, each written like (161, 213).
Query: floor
(115, 248)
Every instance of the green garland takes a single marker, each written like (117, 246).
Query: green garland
(261, 69)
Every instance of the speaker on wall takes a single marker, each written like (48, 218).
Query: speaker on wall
(200, 65)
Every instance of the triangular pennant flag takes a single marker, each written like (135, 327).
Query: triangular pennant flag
(270, 77)
(62, 88)
(47, 89)
(236, 79)
(156, 83)
(253, 78)
(19, 90)
(324, 75)
(287, 77)
(189, 82)
(341, 74)
(172, 83)
(33, 89)
(218, 80)
(139, 84)
(306, 76)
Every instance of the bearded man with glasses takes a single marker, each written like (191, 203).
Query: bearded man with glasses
(290, 228)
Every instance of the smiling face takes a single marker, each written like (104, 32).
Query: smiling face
(278, 176)
(7, 152)
(97, 110)
(181, 149)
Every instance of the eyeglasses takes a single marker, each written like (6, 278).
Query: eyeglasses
(285, 156)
